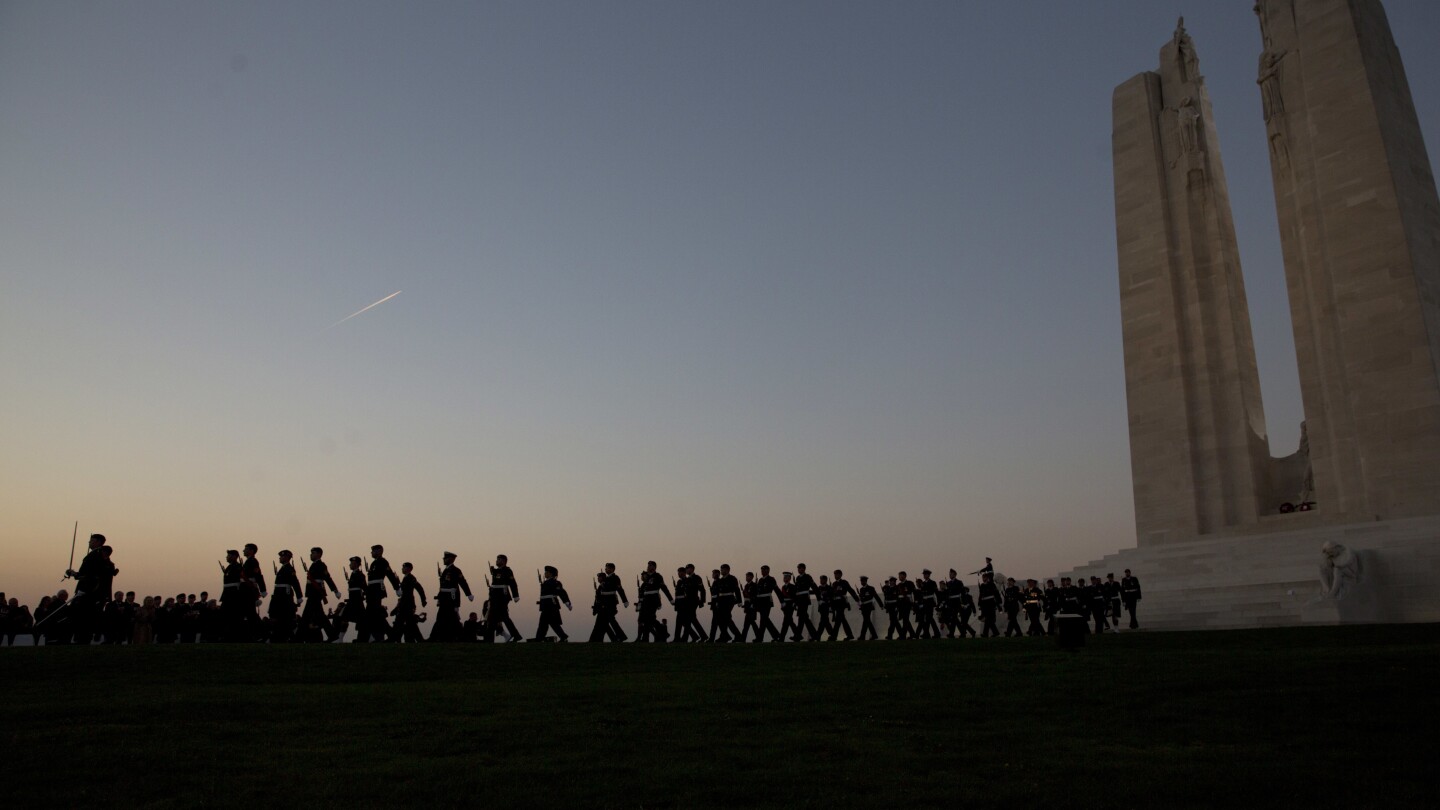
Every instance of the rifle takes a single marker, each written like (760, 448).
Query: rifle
(74, 533)
(276, 566)
(439, 572)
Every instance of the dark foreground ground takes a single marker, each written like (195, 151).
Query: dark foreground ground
(1310, 717)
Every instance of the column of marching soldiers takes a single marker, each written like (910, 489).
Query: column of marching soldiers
(916, 609)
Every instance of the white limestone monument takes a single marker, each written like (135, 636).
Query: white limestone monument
(1226, 535)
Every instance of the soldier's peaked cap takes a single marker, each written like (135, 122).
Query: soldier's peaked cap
(377, 547)
(355, 558)
(550, 569)
(452, 555)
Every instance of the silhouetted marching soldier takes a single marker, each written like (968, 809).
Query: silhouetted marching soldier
(1034, 600)
(927, 592)
(1013, 597)
(684, 608)
(803, 593)
(763, 600)
(652, 586)
(552, 595)
(695, 584)
(1130, 594)
(987, 568)
(503, 590)
(904, 591)
(892, 608)
(868, 599)
(407, 624)
(840, 594)
(725, 595)
(353, 609)
(747, 606)
(953, 597)
(447, 625)
(377, 620)
(79, 616)
(1112, 598)
(1052, 606)
(252, 589)
(232, 594)
(989, 604)
(608, 594)
(967, 610)
(822, 606)
(286, 599)
(313, 620)
(1071, 600)
(1099, 606)
(787, 608)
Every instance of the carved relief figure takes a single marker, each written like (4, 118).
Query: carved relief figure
(1269, 82)
(1188, 124)
(1189, 61)
(1339, 571)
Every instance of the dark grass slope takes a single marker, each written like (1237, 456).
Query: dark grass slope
(1310, 717)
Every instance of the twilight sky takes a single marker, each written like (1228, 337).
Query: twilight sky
(741, 282)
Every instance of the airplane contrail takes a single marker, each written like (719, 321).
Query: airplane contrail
(372, 306)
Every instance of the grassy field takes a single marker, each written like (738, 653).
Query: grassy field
(1306, 717)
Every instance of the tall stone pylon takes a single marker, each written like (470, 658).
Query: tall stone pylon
(1360, 231)
(1198, 448)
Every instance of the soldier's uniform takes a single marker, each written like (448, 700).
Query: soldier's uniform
(839, 605)
(787, 612)
(607, 604)
(747, 609)
(822, 606)
(83, 612)
(313, 621)
(904, 606)
(684, 610)
(407, 625)
(232, 594)
(967, 609)
(1112, 597)
(283, 604)
(652, 586)
(1034, 599)
(1130, 594)
(353, 611)
(1013, 598)
(989, 604)
(868, 600)
(377, 622)
(928, 598)
(503, 590)
(892, 613)
(725, 595)
(1071, 601)
(552, 595)
(252, 589)
(1099, 606)
(802, 593)
(950, 616)
(447, 625)
(762, 601)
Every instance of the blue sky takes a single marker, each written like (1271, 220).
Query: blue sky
(694, 282)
